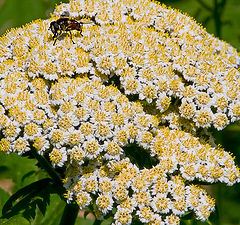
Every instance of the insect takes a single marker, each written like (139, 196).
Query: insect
(63, 24)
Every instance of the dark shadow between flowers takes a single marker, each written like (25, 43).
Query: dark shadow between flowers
(139, 156)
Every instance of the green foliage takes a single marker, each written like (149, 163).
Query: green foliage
(34, 200)
(15, 220)
(21, 170)
(83, 221)
(34, 195)
(54, 211)
(14, 13)
(52, 216)
(3, 198)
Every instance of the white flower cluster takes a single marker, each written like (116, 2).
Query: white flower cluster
(53, 98)
(150, 194)
(161, 54)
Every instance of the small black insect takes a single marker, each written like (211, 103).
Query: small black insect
(63, 24)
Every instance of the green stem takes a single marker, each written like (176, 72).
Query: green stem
(71, 210)
(217, 15)
(217, 18)
(47, 166)
(204, 5)
(219, 204)
(69, 214)
(97, 222)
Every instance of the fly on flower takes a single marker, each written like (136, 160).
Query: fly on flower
(63, 24)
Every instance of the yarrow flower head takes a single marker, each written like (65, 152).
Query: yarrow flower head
(120, 104)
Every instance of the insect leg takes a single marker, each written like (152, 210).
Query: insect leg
(71, 37)
(56, 36)
(80, 29)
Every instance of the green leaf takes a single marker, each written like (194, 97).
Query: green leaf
(82, 221)
(3, 170)
(15, 167)
(53, 213)
(3, 198)
(49, 216)
(107, 221)
(25, 199)
(187, 216)
(15, 220)
(27, 175)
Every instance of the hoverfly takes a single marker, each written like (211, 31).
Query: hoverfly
(63, 24)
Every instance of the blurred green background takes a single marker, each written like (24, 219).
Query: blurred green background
(220, 17)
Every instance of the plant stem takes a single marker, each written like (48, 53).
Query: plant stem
(69, 214)
(207, 7)
(47, 166)
(217, 16)
(219, 204)
(71, 210)
(97, 222)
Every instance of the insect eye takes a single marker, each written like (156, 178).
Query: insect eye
(54, 27)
